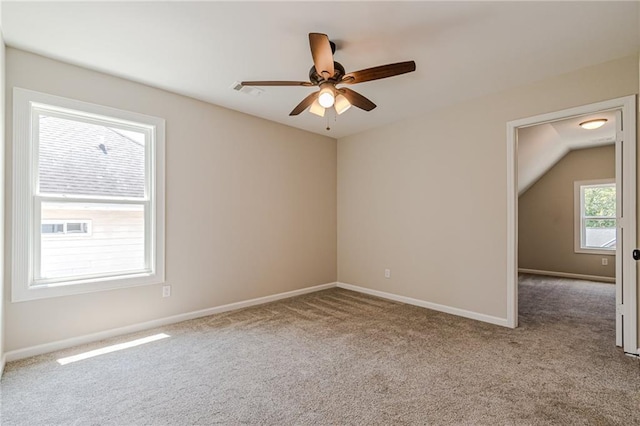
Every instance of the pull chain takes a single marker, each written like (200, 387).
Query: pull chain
(335, 119)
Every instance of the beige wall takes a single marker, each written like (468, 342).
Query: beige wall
(427, 197)
(546, 215)
(251, 208)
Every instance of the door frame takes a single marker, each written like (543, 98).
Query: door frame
(626, 287)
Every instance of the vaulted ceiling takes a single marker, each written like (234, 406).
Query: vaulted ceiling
(462, 49)
(542, 146)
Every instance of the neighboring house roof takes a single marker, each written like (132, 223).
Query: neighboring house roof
(81, 158)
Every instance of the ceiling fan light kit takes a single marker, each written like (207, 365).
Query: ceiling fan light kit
(341, 104)
(326, 96)
(316, 108)
(327, 74)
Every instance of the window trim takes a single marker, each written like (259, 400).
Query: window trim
(27, 102)
(578, 235)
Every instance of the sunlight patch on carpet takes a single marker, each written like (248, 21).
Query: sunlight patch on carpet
(112, 348)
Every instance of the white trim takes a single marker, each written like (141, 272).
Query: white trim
(568, 275)
(94, 337)
(620, 243)
(628, 222)
(429, 305)
(3, 362)
(512, 225)
(627, 280)
(26, 283)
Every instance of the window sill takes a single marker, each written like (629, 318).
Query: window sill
(596, 251)
(69, 288)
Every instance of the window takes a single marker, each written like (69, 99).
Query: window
(88, 201)
(66, 227)
(53, 228)
(76, 228)
(595, 208)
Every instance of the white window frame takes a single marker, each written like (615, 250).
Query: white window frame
(26, 201)
(579, 229)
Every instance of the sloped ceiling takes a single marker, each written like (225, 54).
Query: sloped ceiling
(541, 147)
(462, 49)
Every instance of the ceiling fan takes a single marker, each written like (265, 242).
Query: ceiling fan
(328, 74)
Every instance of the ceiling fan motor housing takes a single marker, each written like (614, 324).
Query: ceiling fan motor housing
(316, 78)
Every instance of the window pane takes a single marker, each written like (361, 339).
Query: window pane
(76, 227)
(89, 159)
(600, 201)
(599, 216)
(600, 233)
(115, 244)
(52, 228)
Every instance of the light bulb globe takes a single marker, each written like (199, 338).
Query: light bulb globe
(317, 109)
(341, 104)
(326, 98)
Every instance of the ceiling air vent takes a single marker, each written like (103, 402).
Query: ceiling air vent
(249, 90)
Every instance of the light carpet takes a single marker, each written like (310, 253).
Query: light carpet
(339, 357)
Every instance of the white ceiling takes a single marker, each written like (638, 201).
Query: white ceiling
(462, 49)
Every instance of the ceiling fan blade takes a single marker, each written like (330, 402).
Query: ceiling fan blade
(376, 73)
(304, 104)
(322, 55)
(356, 99)
(276, 83)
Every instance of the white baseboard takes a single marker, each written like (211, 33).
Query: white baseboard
(94, 337)
(429, 305)
(3, 361)
(568, 275)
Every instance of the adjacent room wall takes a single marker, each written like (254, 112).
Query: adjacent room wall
(546, 216)
(251, 208)
(427, 197)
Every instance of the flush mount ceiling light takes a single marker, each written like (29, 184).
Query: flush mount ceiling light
(593, 124)
(327, 74)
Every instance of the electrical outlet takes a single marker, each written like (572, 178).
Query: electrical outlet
(387, 273)
(605, 261)
(166, 290)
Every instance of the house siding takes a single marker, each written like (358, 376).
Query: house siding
(115, 243)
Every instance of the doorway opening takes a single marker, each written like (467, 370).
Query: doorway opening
(583, 243)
